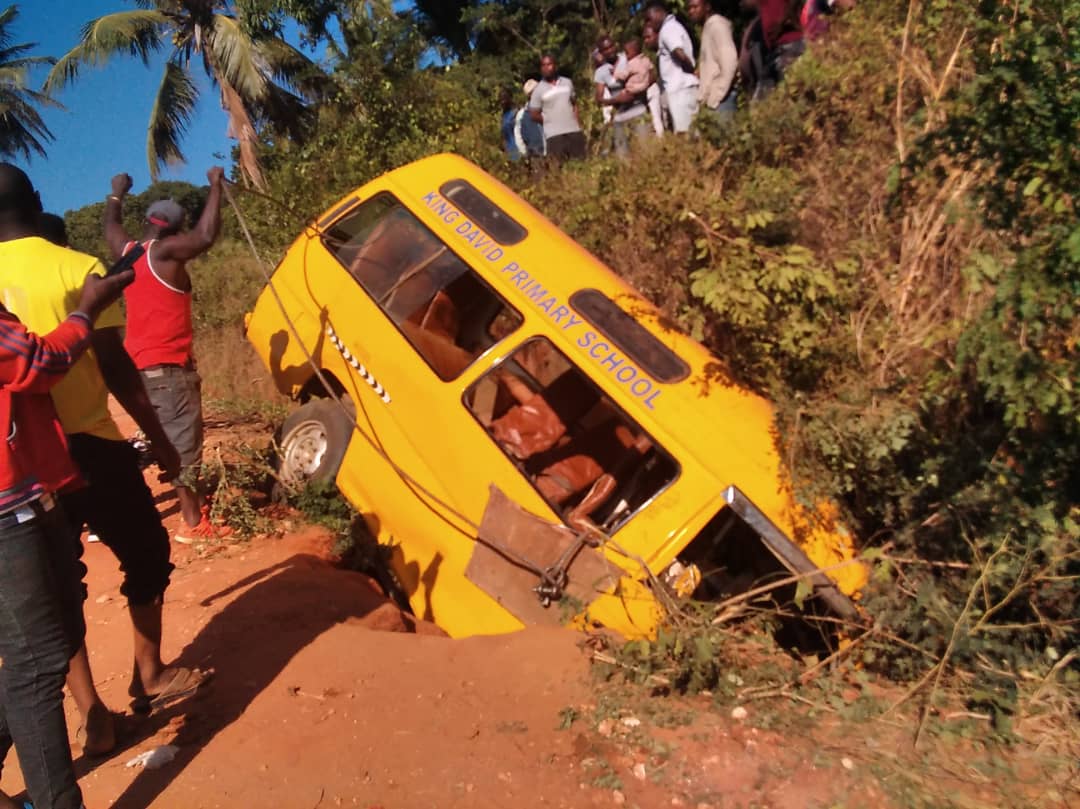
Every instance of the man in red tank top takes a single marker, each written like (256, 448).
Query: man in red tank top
(159, 333)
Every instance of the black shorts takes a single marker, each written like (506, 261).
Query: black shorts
(119, 507)
(568, 146)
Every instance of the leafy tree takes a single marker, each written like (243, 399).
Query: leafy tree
(22, 130)
(521, 30)
(262, 79)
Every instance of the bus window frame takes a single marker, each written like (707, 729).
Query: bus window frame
(518, 467)
(385, 194)
(626, 348)
(447, 189)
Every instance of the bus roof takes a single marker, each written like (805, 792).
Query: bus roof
(726, 428)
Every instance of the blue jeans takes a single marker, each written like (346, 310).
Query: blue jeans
(724, 112)
(624, 131)
(41, 626)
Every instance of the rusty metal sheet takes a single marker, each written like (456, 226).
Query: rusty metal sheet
(508, 525)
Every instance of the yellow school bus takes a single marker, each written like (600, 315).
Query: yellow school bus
(519, 425)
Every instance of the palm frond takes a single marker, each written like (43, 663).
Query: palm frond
(241, 128)
(22, 130)
(284, 113)
(173, 107)
(7, 16)
(236, 59)
(293, 69)
(137, 33)
(9, 52)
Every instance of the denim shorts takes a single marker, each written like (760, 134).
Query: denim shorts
(176, 394)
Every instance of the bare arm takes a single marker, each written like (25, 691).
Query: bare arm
(684, 61)
(123, 381)
(115, 235)
(186, 246)
(536, 115)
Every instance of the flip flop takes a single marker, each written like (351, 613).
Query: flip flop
(183, 684)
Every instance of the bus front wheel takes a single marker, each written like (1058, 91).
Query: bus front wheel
(313, 443)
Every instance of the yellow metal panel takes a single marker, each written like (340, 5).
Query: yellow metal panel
(720, 434)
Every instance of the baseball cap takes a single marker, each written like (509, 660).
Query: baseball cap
(165, 213)
(530, 85)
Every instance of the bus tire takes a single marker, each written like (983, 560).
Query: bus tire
(313, 443)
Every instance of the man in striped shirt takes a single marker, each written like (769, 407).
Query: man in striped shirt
(41, 620)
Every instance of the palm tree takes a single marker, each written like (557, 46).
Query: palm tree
(22, 131)
(261, 78)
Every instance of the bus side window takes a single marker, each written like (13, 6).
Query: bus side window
(444, 309)
(590, 461)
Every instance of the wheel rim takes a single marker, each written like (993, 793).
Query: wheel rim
(303, 451)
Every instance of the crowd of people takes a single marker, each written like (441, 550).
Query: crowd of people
(640, 98)
(64, 347)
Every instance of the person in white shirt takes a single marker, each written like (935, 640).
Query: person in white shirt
(657, 110)
(553, 104)
(718, 62)
(677, 65)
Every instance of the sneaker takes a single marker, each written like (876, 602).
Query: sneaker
(92, 537)
(205, 531)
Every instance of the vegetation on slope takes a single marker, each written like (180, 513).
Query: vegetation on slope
(888, 247)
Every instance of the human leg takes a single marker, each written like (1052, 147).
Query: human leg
(120, 508)
(176, 394)
(683, 106)
(640, 129)
(576, 148)
(96, 718)
(97, 735)
(621, 137)
(655, 111)
(36, 641)
(558, 148)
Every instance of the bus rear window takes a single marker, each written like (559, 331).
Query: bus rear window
(631, 337)
(445, 310)
(483, 212)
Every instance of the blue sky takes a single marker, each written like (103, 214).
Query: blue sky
(102, 130)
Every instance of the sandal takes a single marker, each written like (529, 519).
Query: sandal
(183, 684)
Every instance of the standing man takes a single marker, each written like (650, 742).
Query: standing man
(159, 331)
(553, 105)
(657, 109)
(782, 31)
(41, 618)
(719, 61)
(677, 65)
(506, 124)
(611, 91)
(528, 134)
(40, 283)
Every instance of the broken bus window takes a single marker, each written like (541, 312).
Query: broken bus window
(586, 457)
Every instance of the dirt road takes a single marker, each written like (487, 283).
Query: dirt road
(326, 695)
